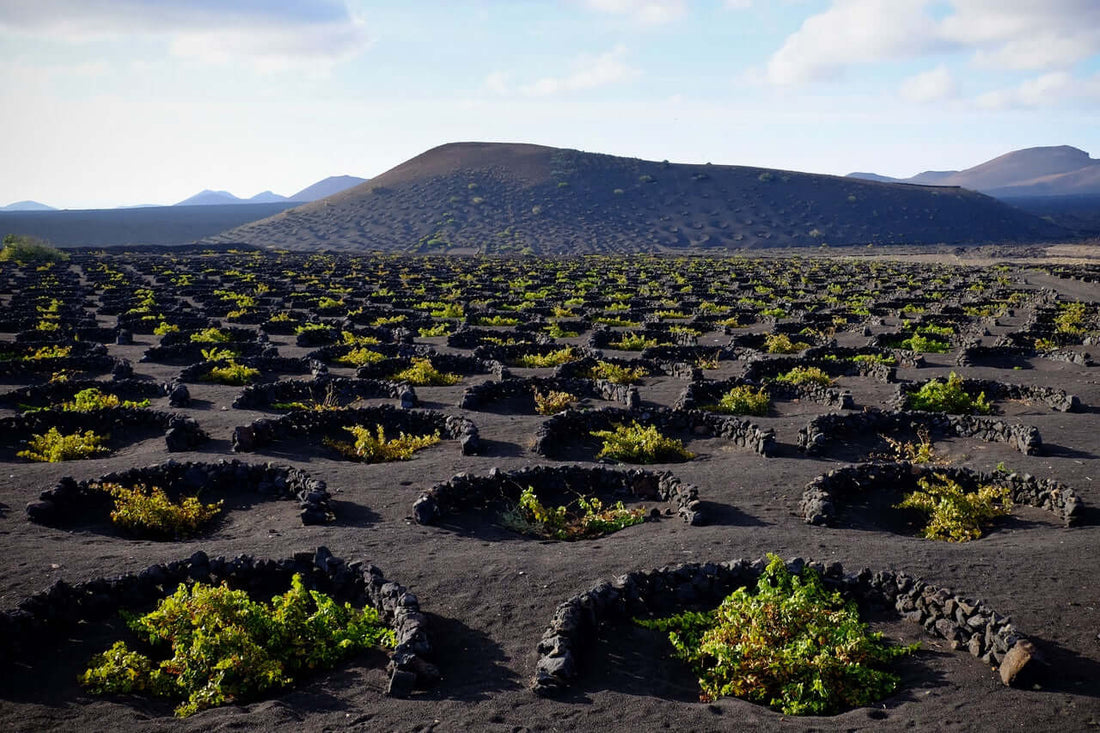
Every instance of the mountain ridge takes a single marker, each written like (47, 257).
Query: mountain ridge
(1058, 170)
(524, 198)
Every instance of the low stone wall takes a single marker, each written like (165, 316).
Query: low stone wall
(602, 335)
(821, 496)
(581, 368)
(768, 368)
(1055, 399)
(72, 501)
(456, 363)
(88, 358)
(698, 395)
(464, 491)
(509, 355)
(189, 353)
(468, 337)
(266, 364)
(996, 356)
(329, 354)
(264, 431)
(478, 395)
(568, 425)
(813, 438)
(963, 623)
(52, 393)
(343, 390)
(180, 431)
(48, 615)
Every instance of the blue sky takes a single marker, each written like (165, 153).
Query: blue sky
(121, 102)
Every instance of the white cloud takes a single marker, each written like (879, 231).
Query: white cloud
(1024, 34)
(851, 32)
(588, 72)
(1048, 90)
(267, 35)
(645, 12)
(1002, 34)
(929, 86)
(498, 82)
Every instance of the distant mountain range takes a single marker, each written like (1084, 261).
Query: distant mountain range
(27, 206)
(517, 198)
(1048, 171)
(313, 192)
(319, 190)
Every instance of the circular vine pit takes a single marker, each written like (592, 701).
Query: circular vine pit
(333, 424)
(878, 487)
(124, 425)
(90, 503)
(554, 486)
(579, 622)
(522, 394)
(820, 435)
(67, 623)
(560, 432)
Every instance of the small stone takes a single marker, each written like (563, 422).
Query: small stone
(1018, 664)
(402, 684)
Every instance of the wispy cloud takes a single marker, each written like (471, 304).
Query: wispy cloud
(1048, 90)
(587, 72)
(644, 12)
(929, 86)
(266, 35)
(849, 33)
(1010, 35)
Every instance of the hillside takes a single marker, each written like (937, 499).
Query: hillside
(501, 198)
(1044, 171)
(327, 187)
(27, 206)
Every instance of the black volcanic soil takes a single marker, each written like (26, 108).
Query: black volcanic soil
(489, 594)
(511, 198)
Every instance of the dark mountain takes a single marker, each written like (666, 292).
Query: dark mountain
(206, 197)
(267, 197)
(495, 197)
(1046, 171)
(27, 206)
(327, 187)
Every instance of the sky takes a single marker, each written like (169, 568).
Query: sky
(108, 103)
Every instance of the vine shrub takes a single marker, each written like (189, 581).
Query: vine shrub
(955, 515)
(54, 446)
(377, 449)
(920, 451)
(87, 400)
(423, 373)
(584, 518)
(950, 397)
(743, 400)
(359, 356)
(806, 375)
(922, 344)
(780, 343)
(148, 510)
(233, 373)
(223, 647)
(635, 443)
(633, 342)
(617, 374)
(792, 645)
(553, 402)
(554, 358)
(210, 336)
